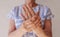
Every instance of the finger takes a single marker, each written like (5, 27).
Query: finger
(26, 11)
(31, 25)
(33, 18)
(23, 17)
(39, 24)
(31, 10)
(37, 21)
(27, 23)
(29, 13)
(25, 27)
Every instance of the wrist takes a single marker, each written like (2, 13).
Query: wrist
(39, 32)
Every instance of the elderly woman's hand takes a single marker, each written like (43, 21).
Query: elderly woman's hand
(32, 24)
(31, 19)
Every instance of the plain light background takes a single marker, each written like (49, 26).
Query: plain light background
(7, 5)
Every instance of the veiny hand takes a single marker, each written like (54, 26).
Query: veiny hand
(23, 29)
(32, 21)
(28, 12)
(29, 24)
(31, 18)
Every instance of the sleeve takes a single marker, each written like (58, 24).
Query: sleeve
(49, 14)
(11, 14)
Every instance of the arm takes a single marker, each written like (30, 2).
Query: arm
(12, 30)
(39, 31)
(48, 24)
(48, 27)
(47, 32)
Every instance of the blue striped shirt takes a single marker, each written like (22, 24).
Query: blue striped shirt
(45, 13)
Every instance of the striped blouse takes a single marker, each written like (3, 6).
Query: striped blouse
(45, 13)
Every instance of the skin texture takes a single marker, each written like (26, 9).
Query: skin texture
(31, 23)
(33, 26)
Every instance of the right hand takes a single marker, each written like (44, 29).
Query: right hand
(27, 14)
(32, 23)
(23, 29)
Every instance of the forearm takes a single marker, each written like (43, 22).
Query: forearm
(40, 33)
(16, 33)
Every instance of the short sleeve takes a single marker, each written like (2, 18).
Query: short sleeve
(11, 14)
(49, 14)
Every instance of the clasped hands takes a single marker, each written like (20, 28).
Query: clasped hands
(32, 21)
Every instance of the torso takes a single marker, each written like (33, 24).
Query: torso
(19, 20)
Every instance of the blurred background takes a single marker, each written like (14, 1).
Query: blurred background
(7, 5)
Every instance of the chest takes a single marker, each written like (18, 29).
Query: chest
(19, 20)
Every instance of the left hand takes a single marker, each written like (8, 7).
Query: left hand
(29, 24)
(31, 16)
(32, 21)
